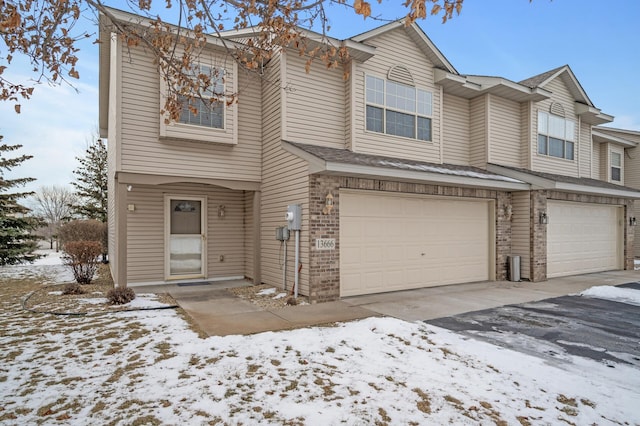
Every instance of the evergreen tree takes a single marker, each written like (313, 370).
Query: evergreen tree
(91, 182)
(17, 240)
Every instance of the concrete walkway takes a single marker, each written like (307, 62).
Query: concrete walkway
(219, 312)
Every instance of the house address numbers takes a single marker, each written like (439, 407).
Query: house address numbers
(326, 244)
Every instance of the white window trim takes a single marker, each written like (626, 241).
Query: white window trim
(611, 167)
(548, 135)
(384, 107)
(228, 135)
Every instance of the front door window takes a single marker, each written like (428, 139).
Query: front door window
(186, 237)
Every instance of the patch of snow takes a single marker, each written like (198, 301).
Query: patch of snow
(616, 294)
(55, 293)
(266, 291)
(636, 264)
(93, 301)
(279, 296)
(150, 367)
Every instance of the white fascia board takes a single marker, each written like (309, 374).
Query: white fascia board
(149, 179)
(614, 139)
(572, 187)
(377, 31)
(594, 114)
(536, 181)
(440, 75)
(316, 165)
(424, 177)
(134, 19)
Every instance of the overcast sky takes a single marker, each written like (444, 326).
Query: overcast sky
(514, 39)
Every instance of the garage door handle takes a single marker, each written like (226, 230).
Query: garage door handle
(423, 254)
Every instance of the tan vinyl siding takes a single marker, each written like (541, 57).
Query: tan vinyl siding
(526, 126)
(113, 153)
(595, 164)
(584, 150)
(456, 130)
(143, 152)
(478, 132)
(248, 234)
(284, 181)
(315, 112)
(396, 48)
(504, 132)
(520, 231)
(545, 163)
(632, 169)
(604, 161)
(146, 231)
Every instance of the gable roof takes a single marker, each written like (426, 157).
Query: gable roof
(417, 35)
(569, 78)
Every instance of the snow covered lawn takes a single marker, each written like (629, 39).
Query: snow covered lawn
(150, 367)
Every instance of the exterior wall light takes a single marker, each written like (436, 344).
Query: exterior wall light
(544, 219)
(221, 211)
(632, 221)
(508, 212)
(328, 204)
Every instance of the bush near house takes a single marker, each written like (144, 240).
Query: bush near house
(84, 230)
(83, 258)
(120, 295)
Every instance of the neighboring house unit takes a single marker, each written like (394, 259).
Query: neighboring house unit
(408, 173)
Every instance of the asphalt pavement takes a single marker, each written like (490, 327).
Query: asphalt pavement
(602, 330)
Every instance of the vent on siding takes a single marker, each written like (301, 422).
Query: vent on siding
(401, 74)
(557, 109)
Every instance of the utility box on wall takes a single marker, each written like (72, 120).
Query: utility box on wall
(294, 217)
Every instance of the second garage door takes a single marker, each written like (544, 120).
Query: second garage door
(395, 242)
(583, 238)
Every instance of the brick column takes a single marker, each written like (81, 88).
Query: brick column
(629, 235)
(324, 265)
(538, 238)
(503, 235)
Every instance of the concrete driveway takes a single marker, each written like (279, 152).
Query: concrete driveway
(603, 330)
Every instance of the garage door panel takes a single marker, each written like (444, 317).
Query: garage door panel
(425, 242)
(583, 238)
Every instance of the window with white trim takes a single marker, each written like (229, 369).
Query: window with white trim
(616, 167)
(205, 111)
(398, 109)
(556, 136)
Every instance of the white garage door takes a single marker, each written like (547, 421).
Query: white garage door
(396, 242)
(583, 238)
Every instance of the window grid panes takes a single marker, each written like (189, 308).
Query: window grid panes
(398, 109)
(616, 167)
(203, 112)
(556, 136)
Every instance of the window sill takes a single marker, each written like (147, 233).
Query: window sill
(190, 132)
(402, 138)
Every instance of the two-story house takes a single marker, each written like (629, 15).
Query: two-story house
(408, 173)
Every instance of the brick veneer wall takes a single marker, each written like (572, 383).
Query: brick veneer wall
(539, 232)
(324, 265)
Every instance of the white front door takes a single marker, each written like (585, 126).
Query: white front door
(185, 248)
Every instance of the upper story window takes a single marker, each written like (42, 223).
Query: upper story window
(556, 136)
(206, 112)
(616, 167)
(398, 109)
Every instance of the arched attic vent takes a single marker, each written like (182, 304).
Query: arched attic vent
(557, 109)
(401, 74)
